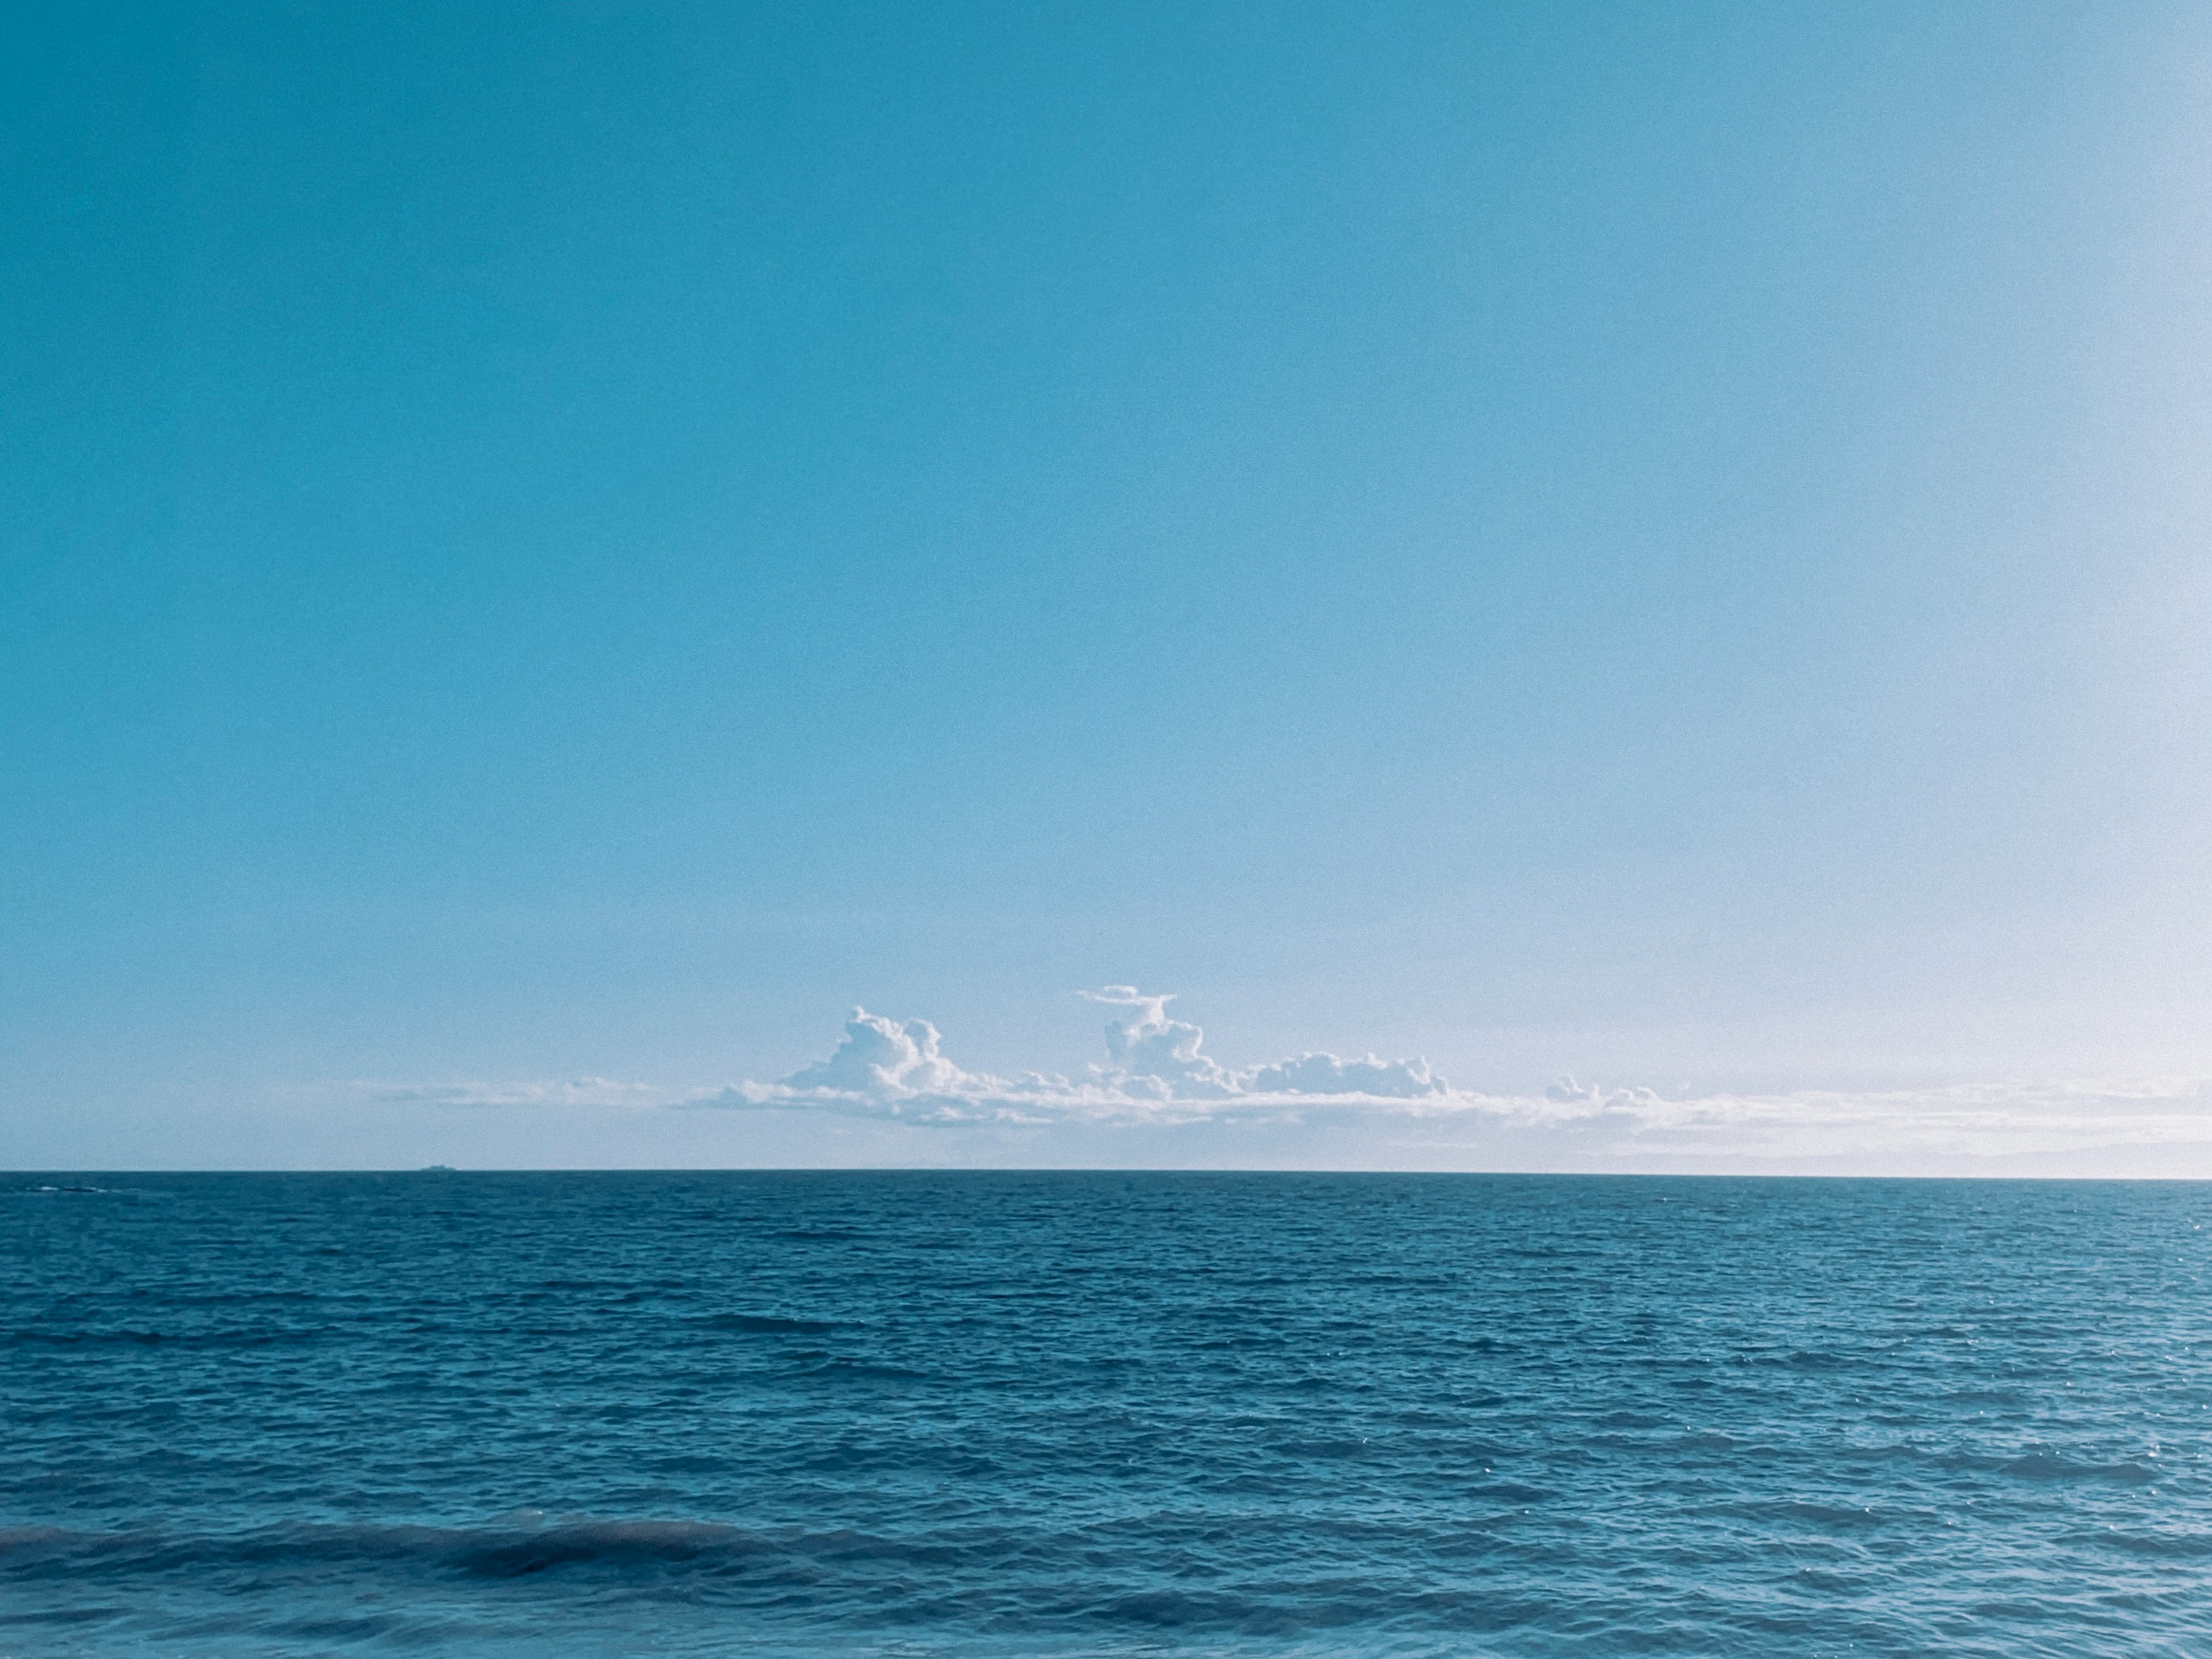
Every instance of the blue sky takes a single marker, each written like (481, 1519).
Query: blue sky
(1662, 542)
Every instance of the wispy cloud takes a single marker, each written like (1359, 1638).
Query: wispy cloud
(572, 1091)
(1979, 1120)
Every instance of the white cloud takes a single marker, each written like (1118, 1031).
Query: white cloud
(1364, 1079)
(882, 1058)
(1148, 1048)
(1156, 1071)
(894, 1069)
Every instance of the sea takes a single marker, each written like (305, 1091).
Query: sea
(920, 1413)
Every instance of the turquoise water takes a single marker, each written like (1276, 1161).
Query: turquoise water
(1063, 1413)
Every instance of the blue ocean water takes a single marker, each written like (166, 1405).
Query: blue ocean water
(904, 1413)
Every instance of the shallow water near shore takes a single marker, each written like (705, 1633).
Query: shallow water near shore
(922, 1413)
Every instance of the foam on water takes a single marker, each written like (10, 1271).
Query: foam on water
(922, 1414)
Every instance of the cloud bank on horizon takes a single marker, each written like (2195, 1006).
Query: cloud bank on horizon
(1156, 1073)
(1158, 1098)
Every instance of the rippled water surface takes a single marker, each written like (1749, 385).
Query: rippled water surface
(919, 1414)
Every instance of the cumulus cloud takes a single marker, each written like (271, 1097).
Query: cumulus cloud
(1148, 1048)
(896, 1069)
(1153, 1054)
(1156, 1070)
(882, 1057)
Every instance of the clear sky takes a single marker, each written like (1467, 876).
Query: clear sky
(552, 550)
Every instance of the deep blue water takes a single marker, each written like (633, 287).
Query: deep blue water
(1062, 1413)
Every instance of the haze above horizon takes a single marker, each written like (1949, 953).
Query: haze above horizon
(553, 553)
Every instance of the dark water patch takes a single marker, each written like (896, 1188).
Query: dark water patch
(854, 1369)
(1797, 1512)
(2050, 1466)
(607, 1543)
(491, 1552)
(765, 1324)
(2167, 1546)
(233, 1337)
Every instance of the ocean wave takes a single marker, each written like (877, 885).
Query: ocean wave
(230, 1337)
(501, 1551)
(764, 1324)
(2168, 1546)
(2043, 1465)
